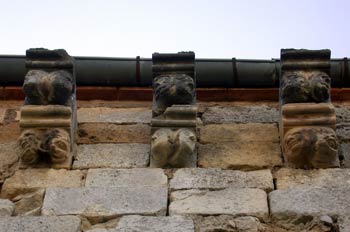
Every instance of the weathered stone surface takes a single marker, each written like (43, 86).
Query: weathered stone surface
(344, 154)
(9, 160)
(228, 223)
(7, 208)
(240, 114)
(9, 132)
(126, 177)
(344, 224)
(288, 178)
(239, 155)
(29, 180)
(112, 156)
(257, 132)
(150, 224)
(101, 202)
(40, 224)
(343, 114)
(200, 178)
(29, 204)
(343, 131)
(305, 202)
(239, 202)
(113, 133)
(114, 115)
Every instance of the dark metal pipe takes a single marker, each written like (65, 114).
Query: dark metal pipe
(239, 73)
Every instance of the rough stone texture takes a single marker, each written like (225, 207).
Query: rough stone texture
(40, 224)
(240, 114)
(292, 178)
(228, 223)
(343, 114)
(9, 160)
(240, 155)
(150, 224)
(112, 156)
(29, 204)
(200, 178)
(126, 177)
(29, 180)
(113, 133)
(97, 203)
(257, 132)
(343, 131)
(7, 208)
(9, 132)
(239, 202)
(344, 154)
(114, 115)
(344, 224)
(301, 204)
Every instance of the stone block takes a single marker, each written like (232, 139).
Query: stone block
(230, 201)
(113, 133)
(240, 155)
(29, 204)
(240, 114)
(288, 178)
(9, 160)
(7, 208)
(30, 180)
(98, 203)
(304, 203)
(150, 224)
(257, 132)
(40, 224)
(114, 115)
(112, 156)
(212, 178)
(126, 177)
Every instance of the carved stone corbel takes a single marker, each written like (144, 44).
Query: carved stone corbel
(48, 118)
(174, 134)
(307, 117)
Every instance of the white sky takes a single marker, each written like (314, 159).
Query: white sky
(212, 29)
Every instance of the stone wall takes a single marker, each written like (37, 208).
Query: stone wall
(240, 184)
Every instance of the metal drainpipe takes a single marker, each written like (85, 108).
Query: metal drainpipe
(137, 72)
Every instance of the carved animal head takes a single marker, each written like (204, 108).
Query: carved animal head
(305, 87)
(43, 88)
(173, 148)
(311, 147)
(57, 144)
(29, 143)
(173, 89)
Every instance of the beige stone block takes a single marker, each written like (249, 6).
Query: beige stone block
(114, 115)
(255, 132)
(240, 155)
(113, 133)
(29, 180)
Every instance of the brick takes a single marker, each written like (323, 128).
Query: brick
(97, 92)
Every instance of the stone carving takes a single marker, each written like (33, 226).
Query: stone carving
(48, 117)
(174, 112)
(307, 118)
